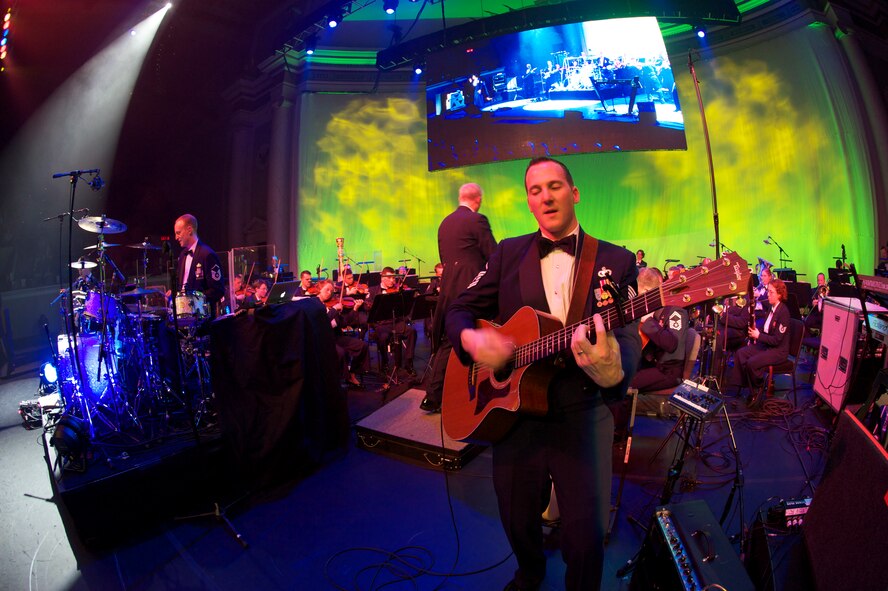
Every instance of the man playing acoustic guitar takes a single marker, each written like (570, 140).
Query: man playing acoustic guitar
(565, 274)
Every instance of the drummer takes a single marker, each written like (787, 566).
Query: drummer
(199, 267)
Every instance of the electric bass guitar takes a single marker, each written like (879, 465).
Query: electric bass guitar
(481, 405)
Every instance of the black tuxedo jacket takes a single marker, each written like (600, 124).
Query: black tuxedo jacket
(513, 279)
(777, 336)
(205, 274)
(465, 242)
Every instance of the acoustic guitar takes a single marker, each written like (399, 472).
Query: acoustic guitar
(481, 405)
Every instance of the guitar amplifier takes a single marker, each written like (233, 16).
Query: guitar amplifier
(843, 348)
(686, 550)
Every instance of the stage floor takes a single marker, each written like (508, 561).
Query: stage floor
(336, 528)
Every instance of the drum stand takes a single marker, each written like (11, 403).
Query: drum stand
(196, 366)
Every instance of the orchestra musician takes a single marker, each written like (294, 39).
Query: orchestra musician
(769, 346)
(639, 259)
(257, 294)
(814, 319)
(762, 307)
(356, 349)
(198, 267)
(395, 334)
(663, 357)
(357, 293)
(305, 287)
(434, 287)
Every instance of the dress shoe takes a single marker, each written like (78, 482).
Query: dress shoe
(430, 405)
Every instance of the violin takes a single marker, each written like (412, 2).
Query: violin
(313, 290)
(346, 302)
(357, 288)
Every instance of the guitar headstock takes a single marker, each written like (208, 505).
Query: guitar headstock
(726, 276)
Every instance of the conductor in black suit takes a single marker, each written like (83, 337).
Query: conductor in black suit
(465, 242)
(199, 268)
(570, 446)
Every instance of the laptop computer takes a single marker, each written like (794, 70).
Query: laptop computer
(282, 292)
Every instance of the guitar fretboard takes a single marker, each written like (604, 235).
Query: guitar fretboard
(559, 340)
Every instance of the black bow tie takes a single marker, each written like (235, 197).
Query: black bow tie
(568, 245)
(189, 253)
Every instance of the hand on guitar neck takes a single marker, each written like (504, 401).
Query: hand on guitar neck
(602, 361)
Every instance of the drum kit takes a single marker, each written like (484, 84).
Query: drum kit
(117, 356)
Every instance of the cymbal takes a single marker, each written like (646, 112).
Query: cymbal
(139, 291)
(83, 265)
(104, 245)
(101, 225)
(143, 246)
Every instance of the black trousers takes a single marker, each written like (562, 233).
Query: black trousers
(751, 361)
(356, 350)
(575, 453)
(400, 337)
(435, 389)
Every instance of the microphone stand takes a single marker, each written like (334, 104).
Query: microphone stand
(708, 150)
(218, 510)
(418, 260)
(782, 255)
(70, 329)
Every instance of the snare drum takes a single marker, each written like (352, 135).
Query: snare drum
(191, 305)
(104, 308)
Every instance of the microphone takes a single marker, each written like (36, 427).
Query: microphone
(672, 260)
(96, 183)
(712, 244)
(767, 240)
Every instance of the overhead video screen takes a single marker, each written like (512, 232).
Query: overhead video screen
(597, 86)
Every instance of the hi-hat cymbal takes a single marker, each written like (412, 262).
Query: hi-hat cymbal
(83, 265)
(139, 291)
(144, 246)
(101, 225)
(104, 245)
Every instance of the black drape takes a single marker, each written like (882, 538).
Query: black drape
(276, 381)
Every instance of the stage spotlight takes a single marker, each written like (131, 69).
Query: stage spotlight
(417, 68)
(48, 378)
(700, 31)
(310, 45)
(390, 6)
(334, 19)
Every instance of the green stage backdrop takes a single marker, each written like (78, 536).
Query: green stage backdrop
(789, 155)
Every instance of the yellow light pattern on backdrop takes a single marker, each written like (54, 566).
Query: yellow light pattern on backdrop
(788, 152)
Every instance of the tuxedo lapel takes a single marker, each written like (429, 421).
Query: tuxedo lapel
(530, 277)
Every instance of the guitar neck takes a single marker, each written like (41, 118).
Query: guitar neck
(559, 340)
(721, 277)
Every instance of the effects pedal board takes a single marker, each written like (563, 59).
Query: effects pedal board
(789, 514)
(696, 400)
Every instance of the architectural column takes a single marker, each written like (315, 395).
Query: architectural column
(280, 175)
(239, 178)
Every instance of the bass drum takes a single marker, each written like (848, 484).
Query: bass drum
(95, 386)
(104, 308)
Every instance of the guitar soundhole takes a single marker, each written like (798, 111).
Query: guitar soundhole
(502, 375)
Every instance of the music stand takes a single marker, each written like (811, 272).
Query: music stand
(389, 307)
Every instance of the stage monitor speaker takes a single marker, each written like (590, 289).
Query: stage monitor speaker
(841, 350)
(846, 526)
(686, 548)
